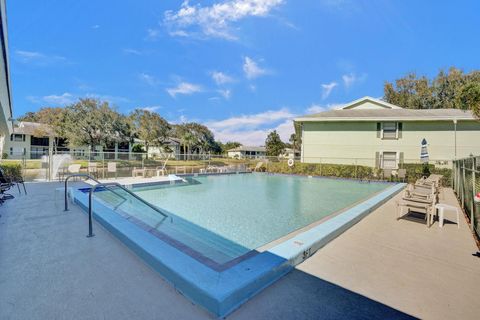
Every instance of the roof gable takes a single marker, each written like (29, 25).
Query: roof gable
(369, 103)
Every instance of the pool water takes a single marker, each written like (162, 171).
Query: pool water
(251, 210)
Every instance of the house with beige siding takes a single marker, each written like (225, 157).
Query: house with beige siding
(247, 152)
(372, 132)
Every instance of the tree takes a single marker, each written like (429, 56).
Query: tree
(295, 141)
(149, 127)
(29, 117)
(195, 138)
(453, 89)
(230, 145)
(469, 97)
(274, 145)
(55, 118)
(91, 122)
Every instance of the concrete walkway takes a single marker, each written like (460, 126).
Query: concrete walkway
(428, 273)
(50, 270)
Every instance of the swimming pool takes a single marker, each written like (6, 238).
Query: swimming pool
(255, 209)
(206, 241)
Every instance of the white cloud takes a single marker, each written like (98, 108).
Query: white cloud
(351, 78)
(215, 20)
(251, 69)
(327, 89)
(152, 34)
(221, 78)
(255, 136)
(316, 108)
(151, 108)
(105, 97)
(62, 99)
(69, 98)
(225, 93)
(148, 79)
(184, 88)
(38, 58)
(251, 121)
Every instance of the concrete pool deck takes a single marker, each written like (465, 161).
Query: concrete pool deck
(49, 269)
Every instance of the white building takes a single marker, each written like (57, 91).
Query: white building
(246, 152)
(30, 140)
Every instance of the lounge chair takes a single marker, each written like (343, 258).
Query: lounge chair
(10, 180)
(387, 174)
(138, 171)
(92, 169)
(74, 168)
(161, 171)
(415, 206)
(433, 179)
(418, 198)
(112, 168)
(258, 166)
(3, 195)
(402, 174)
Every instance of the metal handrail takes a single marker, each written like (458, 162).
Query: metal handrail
(89, 178)
(105, 185)
(92, 190)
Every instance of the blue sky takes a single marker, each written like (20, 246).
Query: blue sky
(242, 67)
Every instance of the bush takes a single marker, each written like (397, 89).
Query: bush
(414, 171)
(12, 169)
(317, 169)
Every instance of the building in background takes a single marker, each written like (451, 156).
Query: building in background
(246, 152)
(372, 132)
(31, 140)
(170, 148)
(5, 84)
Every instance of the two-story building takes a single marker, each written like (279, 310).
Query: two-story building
(372, 132)
(31, 140)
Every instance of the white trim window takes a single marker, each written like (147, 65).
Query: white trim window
(389, 130)
(389, 160)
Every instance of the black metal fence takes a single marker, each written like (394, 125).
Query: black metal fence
(466, 183)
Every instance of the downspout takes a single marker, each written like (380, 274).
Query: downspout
(455, 137)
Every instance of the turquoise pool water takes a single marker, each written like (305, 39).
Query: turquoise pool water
(251, 210)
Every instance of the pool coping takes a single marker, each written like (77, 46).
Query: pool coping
(221, 292)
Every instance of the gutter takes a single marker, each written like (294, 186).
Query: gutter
(344, 119)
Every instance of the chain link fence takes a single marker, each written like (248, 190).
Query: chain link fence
(466, 183)
(54, 165)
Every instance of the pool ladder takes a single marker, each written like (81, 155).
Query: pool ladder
(103, 185)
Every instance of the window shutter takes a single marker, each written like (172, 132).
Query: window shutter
(401, 158)
(400, 128)
(377, 159)
(379, 130)
(11, 137)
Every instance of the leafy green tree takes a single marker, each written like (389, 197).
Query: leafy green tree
(30, 116)
(55, 118)
(295, 141)
(195, 138)
(452, 89)
(149, 127)
(230, 145)
(91, 122)
(274, 145)
(469, 97)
